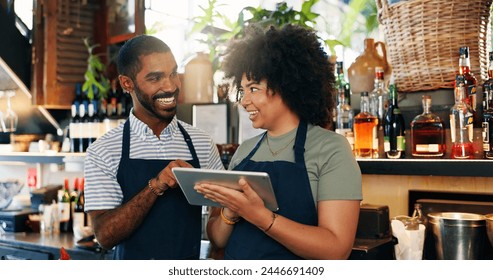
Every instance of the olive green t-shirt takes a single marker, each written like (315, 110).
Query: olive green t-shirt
(332, 169)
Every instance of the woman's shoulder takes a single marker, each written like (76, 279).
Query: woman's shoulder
(321, 134)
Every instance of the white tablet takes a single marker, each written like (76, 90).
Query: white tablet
(259, 181)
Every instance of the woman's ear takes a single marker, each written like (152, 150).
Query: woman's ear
(126, 83)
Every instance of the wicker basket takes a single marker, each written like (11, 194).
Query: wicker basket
(423, 38)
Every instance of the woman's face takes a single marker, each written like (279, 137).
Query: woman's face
(266, 110)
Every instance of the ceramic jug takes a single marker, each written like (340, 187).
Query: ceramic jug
(198, 80)
(361, 73)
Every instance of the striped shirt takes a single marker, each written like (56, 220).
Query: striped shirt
(102, 190)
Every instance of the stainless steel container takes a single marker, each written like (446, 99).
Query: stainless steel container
(489, 227)
(458, 236)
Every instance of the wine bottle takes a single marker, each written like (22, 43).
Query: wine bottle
(487, 118)
(394, 143)
(79, 216)
(65, 209)
(74, 129)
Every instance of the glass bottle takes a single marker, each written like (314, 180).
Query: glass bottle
(487, 120)
(365, 131)
(470, 81)
(394, 129)
(461, 123)
(75, 129)
(418, 214)
(427, 133)
(65, 208)
(344, 112)
(379, 96)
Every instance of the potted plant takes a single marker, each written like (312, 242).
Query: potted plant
(94, 75)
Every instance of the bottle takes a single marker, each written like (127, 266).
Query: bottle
(75, 129)
(65, 208)
(487, 118)
(394, 130)
(344, 112)
(461, 123)
(84, 128)
(379, 97)
(418, 214)
(427, 133)
(470, 81)
(79, 216)
(365, 131)
(92, 125)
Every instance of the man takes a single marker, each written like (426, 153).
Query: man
(131, 194)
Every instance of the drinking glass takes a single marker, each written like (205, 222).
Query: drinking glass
(9, 118)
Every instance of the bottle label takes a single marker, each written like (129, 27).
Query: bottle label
(431, 148)
(64, 211)
(386, 144)
(486, 133)
(401, 143)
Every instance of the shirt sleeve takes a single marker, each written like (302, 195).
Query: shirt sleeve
(340, 175)
(101, 190)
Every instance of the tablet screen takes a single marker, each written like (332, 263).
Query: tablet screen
(259, 181)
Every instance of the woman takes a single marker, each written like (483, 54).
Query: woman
(285, 83)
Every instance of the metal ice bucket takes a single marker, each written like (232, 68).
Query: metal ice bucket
(458, 236)
(489, 227)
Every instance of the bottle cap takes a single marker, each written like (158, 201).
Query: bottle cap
(464, 51)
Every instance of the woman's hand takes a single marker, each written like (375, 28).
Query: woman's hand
(244, 202)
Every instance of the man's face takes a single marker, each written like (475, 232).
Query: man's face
(156, 88)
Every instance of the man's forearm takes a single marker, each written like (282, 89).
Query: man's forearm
(113, 226)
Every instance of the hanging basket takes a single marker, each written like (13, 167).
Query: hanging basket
(423, 38)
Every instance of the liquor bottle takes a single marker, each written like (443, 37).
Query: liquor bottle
(461, 123)
(394, 130)
(379, 97)
(65, 209)
(79, 216)
(365, 131)
(470, 81)
(427, 133)
(487, 118)
(74, 128)
(341, 82)
(344, 112)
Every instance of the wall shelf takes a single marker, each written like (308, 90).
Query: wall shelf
(436, 167)
(420, 167)
(29, 157)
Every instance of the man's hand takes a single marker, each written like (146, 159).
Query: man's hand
(166, 179)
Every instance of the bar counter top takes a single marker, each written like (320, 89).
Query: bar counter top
(30, 245)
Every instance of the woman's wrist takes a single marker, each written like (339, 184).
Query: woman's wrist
(228, 219)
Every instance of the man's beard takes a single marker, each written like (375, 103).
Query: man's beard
(147, 103)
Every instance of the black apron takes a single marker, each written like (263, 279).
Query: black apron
(294, 196)
(172, 228)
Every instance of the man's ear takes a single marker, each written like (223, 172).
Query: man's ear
(126, 83)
